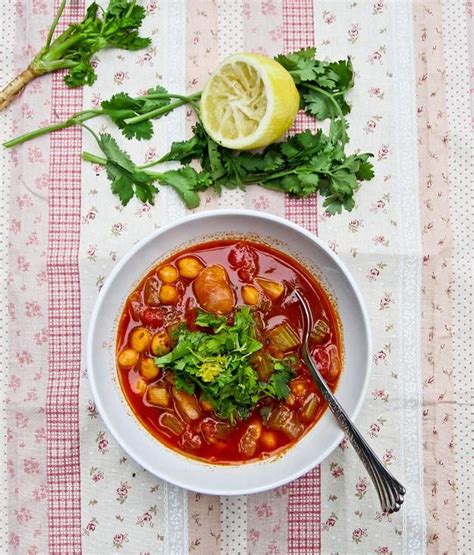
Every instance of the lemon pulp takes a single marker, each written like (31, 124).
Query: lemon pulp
(249, 102)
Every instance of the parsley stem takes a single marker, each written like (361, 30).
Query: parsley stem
(94, 159)
(73, 120)
(89, 157)
(55, 23)
(182, 100)
(150, 164)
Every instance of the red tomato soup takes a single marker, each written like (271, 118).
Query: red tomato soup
(208, 351)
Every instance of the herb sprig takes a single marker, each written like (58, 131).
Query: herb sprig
(116, 27)
(217, 365)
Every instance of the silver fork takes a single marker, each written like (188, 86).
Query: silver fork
(390, 491)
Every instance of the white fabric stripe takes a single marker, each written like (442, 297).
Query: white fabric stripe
(173, 16)
(173, 126)
(234, 525)
(233, 509)
(7, 32)
(461, 198)
(414, 525)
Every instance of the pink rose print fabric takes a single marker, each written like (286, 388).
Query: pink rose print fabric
(69, 487)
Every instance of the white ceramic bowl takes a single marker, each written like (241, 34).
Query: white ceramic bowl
(165, 463)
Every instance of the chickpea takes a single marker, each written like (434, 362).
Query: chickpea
(139, 387)
(148, 369)
(161, 343)
(140, 339)
(250, 294)
(128, 358)
(189, 267)
(168, 294)
(168, 274)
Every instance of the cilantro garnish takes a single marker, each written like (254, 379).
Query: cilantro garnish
(218, 365)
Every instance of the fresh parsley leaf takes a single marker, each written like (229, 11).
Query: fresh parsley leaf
(185, 182)
(122, 106)
(322, 85)
(126, 179)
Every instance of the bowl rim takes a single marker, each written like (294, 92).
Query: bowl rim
(109, 281)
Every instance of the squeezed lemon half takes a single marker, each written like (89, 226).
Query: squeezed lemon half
(249, 102)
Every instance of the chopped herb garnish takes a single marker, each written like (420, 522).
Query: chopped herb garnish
(217, 365)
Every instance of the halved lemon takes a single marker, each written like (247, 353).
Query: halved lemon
(249, 102)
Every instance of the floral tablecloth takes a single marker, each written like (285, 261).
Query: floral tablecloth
(66, 486)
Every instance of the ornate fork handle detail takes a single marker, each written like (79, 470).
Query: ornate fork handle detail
(391, 493)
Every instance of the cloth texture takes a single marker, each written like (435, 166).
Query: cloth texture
(67, 485)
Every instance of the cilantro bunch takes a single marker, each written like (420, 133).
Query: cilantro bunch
(217, 365)
(301, 165)
(117, 26)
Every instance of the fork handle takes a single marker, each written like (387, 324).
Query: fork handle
(391, 493)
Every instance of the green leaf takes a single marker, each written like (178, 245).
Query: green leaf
(365, 171)
(185, 151)
(122, 184)
(319, 106)
(117, 26)
(184, 182)
(206, 319)
(114, 153)
(218, 365)
(126, 179)
(120, 107)
(279, 383)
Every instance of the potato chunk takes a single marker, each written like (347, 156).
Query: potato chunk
(248, 442)
(187, 404)
(158, 395)
(274, 289)
(213, 290)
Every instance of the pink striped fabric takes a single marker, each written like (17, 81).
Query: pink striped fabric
(63, 468)
(304, 498)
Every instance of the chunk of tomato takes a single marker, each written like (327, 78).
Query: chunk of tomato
(245, 260)
(153, 317)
